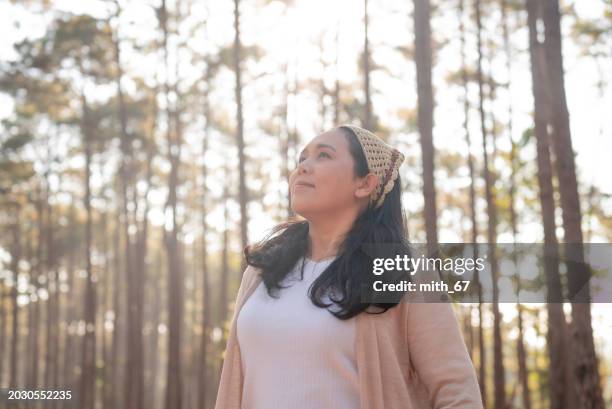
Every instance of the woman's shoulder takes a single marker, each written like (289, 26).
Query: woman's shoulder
(250, 274)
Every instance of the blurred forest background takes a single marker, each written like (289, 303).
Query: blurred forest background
(145, 143)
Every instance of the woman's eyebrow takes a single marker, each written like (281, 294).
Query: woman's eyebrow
(320, 145)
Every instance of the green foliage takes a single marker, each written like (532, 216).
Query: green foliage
(15, 142)
(593, 35)
(13, 169)
(13, 172)
(83, 42)
(526, 137)
(226, 55)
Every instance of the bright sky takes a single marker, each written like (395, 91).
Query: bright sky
(292, 37)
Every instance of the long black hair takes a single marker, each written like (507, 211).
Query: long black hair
(347, 281)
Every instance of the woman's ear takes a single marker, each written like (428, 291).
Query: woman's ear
(367, 185)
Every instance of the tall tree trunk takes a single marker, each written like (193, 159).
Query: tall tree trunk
(105, 307)
(223, 300)
(542, 372)
(141, 267)
(579, 274)
(35, 313)
(367, 114)
(474, 233)
(30, 308)
(559, 388)
(2, 334)
(174, 383)
(206, 304)
(134, 388)
(242, 188)
(57, 335)
(422, 46)
(154, 342)
(53, 319)
(136, 303)
(70, 338)
(498, 366)
(522, 360)
(115, 383)
(87, 392)
(175, 285)
(14, 266)
(523, 374)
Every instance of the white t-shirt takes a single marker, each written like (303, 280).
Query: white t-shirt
(295, 354)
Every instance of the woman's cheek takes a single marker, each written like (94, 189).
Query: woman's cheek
(337, 189)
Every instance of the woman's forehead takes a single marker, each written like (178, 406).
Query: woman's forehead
(333, 139)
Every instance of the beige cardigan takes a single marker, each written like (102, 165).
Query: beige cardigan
(413, 356)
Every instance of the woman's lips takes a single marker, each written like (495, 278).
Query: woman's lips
(303, 184)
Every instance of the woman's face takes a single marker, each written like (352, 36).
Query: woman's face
(324, 180)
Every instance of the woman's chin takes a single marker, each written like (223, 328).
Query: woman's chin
(302, 207)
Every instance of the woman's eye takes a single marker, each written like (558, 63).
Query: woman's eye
(320, 155)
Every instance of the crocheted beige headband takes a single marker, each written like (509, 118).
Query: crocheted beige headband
(383, 160)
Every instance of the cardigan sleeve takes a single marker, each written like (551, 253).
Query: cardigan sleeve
(247, 276)
(230, 384)
(440, 357)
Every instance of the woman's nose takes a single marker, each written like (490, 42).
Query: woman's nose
(303, 167)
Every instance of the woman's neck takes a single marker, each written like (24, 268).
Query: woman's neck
(324, 239)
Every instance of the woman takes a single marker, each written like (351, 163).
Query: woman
(304, 334)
